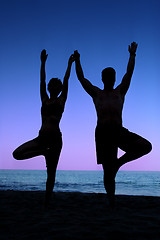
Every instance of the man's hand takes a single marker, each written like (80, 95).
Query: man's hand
(44, 56)
(132, 48)
(76, 55)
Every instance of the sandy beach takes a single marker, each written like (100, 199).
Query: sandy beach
(78, 216)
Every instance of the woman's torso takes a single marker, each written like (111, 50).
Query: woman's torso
(51, 112)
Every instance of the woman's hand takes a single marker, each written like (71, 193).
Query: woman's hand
(71, 59)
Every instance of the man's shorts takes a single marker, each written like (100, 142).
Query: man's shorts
(108, 139)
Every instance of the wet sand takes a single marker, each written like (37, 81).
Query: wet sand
(78, 216)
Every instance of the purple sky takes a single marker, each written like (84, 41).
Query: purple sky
(101, 31)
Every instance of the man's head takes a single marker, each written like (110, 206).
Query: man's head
(108, 77)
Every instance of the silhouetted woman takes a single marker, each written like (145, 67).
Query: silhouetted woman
(49, 140)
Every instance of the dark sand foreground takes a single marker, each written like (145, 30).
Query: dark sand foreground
(78, 216)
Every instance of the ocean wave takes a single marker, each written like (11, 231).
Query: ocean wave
(137, 183)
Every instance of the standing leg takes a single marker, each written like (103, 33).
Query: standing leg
(52, 157)
(109, 176)
(106, 151)
(134, 145)
(109, 184)
(51, 174)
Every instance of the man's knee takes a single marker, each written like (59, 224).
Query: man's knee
(144, 147)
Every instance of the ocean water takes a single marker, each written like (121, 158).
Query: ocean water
(127, 182)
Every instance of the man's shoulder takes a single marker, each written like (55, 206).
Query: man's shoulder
(97, 92)
(118, 89)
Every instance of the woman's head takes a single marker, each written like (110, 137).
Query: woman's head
(55, 86)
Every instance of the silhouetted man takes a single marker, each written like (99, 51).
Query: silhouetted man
(109, 133)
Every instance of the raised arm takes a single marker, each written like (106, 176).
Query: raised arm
(43, 91)
(88, 87)
(66, 78)
(130, 67)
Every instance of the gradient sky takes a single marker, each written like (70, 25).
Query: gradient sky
(101, 31)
